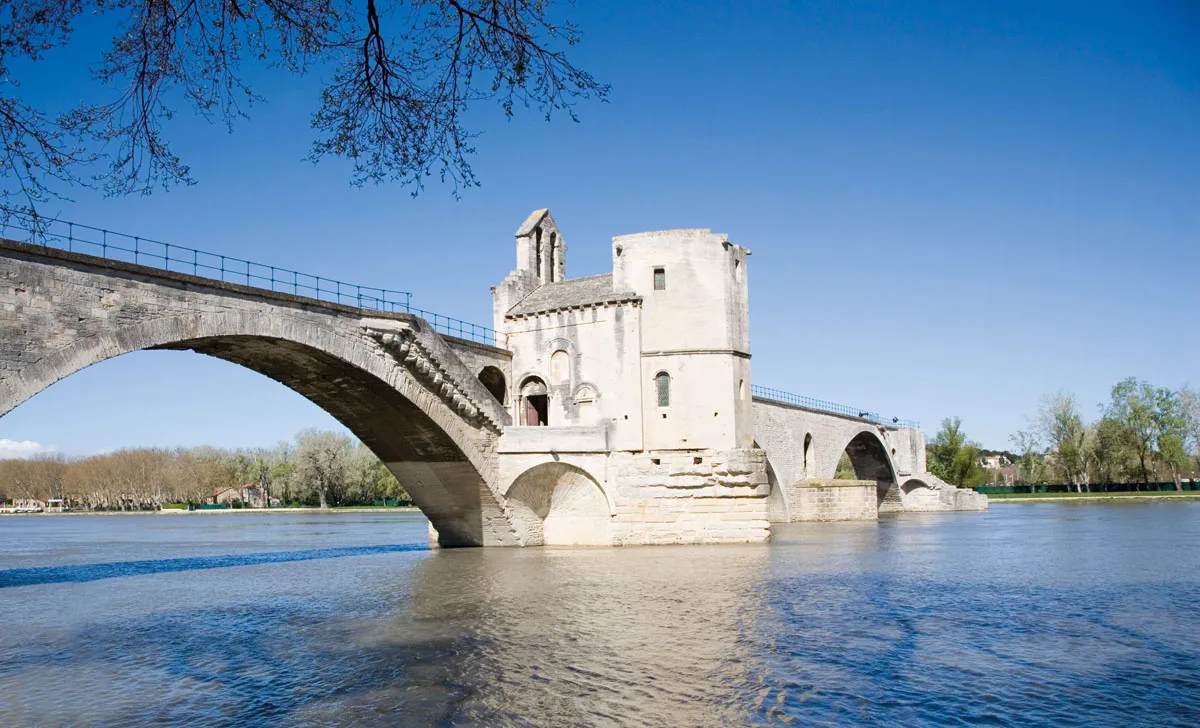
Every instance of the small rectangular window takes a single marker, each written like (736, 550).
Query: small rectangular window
(660, 279)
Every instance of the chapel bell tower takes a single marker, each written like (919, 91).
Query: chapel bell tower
(541, 259)
(540, 248)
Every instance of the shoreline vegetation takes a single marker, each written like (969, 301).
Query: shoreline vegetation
(1143, 435)
(1124, 496)
(318, 469)
(223, 511)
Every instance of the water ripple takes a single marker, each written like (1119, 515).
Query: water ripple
(116, 569)
(909, 622)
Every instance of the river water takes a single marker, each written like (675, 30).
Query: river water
(1028, 615)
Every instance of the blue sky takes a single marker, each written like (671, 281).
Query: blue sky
(954, 208)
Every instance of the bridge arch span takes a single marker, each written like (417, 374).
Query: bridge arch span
(778, 503)
(390, 380)
(867, 451)
(872, 460)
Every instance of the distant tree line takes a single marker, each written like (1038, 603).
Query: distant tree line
(1142, 433)
(317, 469)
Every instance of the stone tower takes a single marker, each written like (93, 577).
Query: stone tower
(541, 259)
(695, 337)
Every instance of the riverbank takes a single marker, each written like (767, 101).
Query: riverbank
(1090, 497)
(231, 511)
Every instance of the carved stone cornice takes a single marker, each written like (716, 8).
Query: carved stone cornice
(403, 346)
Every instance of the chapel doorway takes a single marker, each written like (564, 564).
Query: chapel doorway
(535, 403)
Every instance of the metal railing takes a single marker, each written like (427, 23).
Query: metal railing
(778, 395)
(77, 238)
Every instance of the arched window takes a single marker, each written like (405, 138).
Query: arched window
(585, 404)
(807, 451)
(560, 367)
(553, 245)
(662, 383)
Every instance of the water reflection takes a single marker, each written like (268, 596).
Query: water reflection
(570, 637)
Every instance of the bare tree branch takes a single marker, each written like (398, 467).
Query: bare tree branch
(403, 75)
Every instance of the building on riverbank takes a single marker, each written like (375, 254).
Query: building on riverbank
(251, 495)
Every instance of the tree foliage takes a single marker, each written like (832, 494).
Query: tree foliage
(1133, 407)
(321, 468)
(1060, 428)
(401, 77)
(1142, 428)
(1189, 405)
(952, 457)
(845, 468)
(1031, 463)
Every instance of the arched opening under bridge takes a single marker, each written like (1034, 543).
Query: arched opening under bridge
(436, 454)
(561, 505)
(869, 458)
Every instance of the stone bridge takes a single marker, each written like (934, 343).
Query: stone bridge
(401, 388)
(602, 420)
(804, 446)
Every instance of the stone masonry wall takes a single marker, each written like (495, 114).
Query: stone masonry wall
(780, 429)
(834, 500)
(702, 496)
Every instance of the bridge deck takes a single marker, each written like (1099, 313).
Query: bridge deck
(163, 274)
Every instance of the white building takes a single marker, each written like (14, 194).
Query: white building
(638, 382)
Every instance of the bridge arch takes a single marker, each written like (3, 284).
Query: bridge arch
(432, 437)
(914, 484)
(778, 502)
(557, 504)
(870, 457)
(809, 454)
